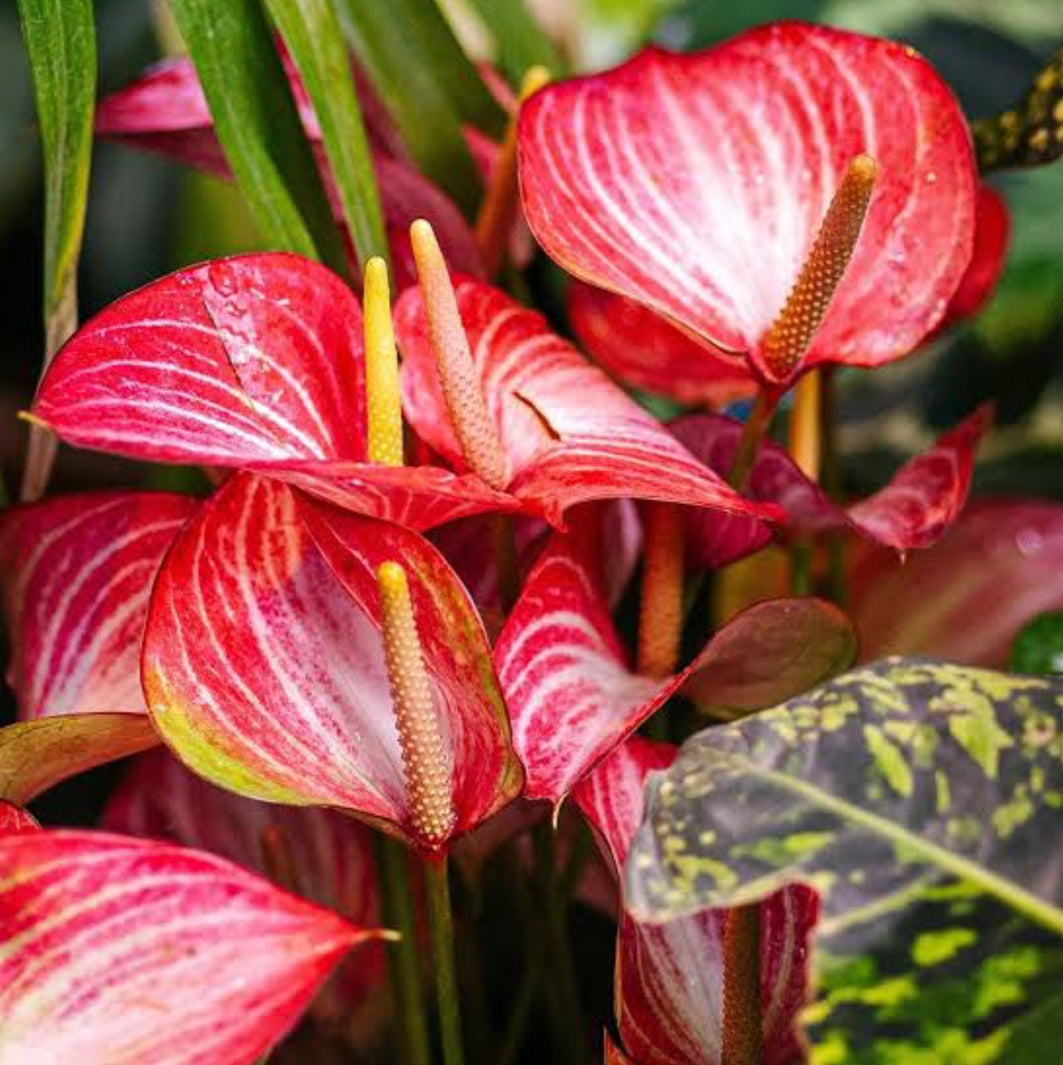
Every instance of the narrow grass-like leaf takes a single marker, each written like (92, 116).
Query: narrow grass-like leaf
(312, 33)
(428, 84)
(520, 42)
(258, 125)
(61, 42)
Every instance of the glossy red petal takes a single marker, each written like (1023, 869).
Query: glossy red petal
(645, 351)
(912, 511)
(330, 857)
(669, 977)
(76, 572)
(991, 236)
(965, 599)
(696, 184)
(264, 664)
(568, 433)
(129, 951)
(14, 819)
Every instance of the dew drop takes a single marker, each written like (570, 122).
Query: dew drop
(1029, 542)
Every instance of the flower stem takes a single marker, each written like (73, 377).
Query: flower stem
(743, 1023)
(441, 922)
(403, 962)
(756, 425)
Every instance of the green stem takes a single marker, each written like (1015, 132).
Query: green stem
(520, 1012)
(404, 967)
(743, 1023)
(441, 921)
(753, 431)
(801, 568)
(570, 1035)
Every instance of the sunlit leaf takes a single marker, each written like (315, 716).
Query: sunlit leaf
(258, 125)
(35, 755)
(188, 958)
(1038, 648)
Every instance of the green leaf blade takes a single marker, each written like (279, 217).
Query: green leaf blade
(312, 33)
(520, 41)
(258, 125)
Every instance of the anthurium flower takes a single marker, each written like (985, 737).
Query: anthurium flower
(913, 511)
(526, 410)
(669, 977)
(255, 361)
(321, 855)
(76, 572)
(794, 196)
(572, 696)
(14, 819)
(165, 111)
(1001, 564)
(306, 656)
(127, 951)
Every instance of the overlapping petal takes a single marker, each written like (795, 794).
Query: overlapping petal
(264, 664)
(573, 698)
(327, 856)
(669, 977)
(696, 184)
(76, 572)
(646, 351)
(965, 599)
(991, 236)
(914, 510)
(14, 819)
(568, 433)
(253, 361)
(129, 951)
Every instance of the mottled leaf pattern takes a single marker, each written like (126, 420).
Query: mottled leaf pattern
(76, 572)
(922, 800)
(695, 184)
(264, 662)
(127, 951)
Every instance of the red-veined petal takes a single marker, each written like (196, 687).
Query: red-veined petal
(991, 235)
(569, 434)
(76, 572)
(646, 351)
(696, 184)
(129, 951)
(264, 663)
(14, 819)
(965, 599)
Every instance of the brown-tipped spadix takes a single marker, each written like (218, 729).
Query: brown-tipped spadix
(425, 760)
(475, 430)
(795, 326)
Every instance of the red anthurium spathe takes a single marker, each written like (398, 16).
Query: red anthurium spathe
(130, 951)
(912, 511)
(326, 856)
(965, 599)
(699, 185)
(991, 235)
(669, 977)
(255, 361)
(264, 665)
(573, 698)
(76, 572)
(566, 434)
(166, 112)
(14, 819)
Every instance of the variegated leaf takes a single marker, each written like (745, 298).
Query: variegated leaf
(322, 855)
(669, 979)
(568, 433)
(76, 573)
(127, 951)
(696, 185)
(922, 800)
(264, 663)
(35, 755)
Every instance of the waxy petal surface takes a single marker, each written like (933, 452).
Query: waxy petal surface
(127, 951)
(14, 819)
(646, 351)
(912, 511)
(569, 434)
(991, 237)
(965, 599)
(76, 572)
(264, 663)
(669, 977)
(696, 185)
(327, 854)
